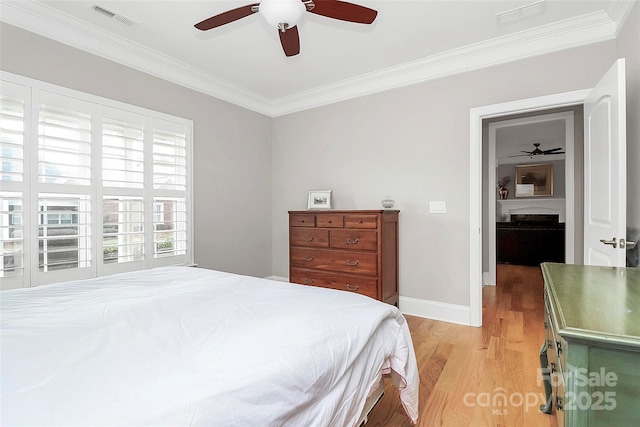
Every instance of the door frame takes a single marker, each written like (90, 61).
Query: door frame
(476, 116)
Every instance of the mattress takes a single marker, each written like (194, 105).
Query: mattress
(190, 346)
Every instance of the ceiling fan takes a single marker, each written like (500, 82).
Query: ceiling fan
(285, 14)
(537, 151)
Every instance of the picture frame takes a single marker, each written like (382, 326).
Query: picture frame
(534, 180)
(319, 199)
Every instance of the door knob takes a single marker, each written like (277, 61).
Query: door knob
(627, 243)
(611, 242)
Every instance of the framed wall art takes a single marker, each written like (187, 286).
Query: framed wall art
(319, 199)
(534, 180)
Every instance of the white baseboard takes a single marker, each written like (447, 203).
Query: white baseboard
(485, 279)
(278, 278)
(451, 313)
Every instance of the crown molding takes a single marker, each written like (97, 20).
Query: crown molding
(583, 30)
(620, 11)
(40, 19)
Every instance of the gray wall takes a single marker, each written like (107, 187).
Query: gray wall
(412, 143)
(232, 146)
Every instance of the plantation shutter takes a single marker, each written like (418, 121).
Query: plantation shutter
(88, 186)
(170, 215)
(13, 115)
(64, 187)
(123, 180)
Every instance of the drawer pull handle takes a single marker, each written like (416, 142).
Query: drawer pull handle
(559, 347)
(308, 281)
(352, 241)
(353, 263)
(309, 258)
(308, 239)
(354, 288)
(553, 367)
(549, 344)
(558, 402)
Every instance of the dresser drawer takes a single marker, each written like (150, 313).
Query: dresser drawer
(329, 220)
(362, 285)
(361, 221)
(313, 237)
(302, 220)
(335, 260)
(366, 240)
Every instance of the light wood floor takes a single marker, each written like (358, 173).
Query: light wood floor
(467, 373)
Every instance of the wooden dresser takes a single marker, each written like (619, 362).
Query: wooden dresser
(354, 251)
(592, 345)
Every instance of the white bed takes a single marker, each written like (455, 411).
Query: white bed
(179, 346)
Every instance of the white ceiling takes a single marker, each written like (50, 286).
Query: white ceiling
(514, 140)
(243, 62)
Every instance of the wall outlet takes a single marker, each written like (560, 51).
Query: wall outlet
(437, 207)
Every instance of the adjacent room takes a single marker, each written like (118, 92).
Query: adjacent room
(419, 212)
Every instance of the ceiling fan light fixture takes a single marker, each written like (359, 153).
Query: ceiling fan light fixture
(282, 14)
(285, 15)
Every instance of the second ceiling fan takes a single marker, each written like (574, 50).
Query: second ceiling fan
(285, 14)
(537, 151)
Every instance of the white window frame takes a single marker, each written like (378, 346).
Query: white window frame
(30, 90)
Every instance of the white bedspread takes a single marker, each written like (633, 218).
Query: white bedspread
(181, 346)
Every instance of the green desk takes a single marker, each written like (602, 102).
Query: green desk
(591, 354)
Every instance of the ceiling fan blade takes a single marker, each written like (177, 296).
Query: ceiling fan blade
(552, 151)
(226, 17)
(344, 11)
(290, 41)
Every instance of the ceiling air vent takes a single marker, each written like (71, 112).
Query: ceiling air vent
(522, 12)
(113, 15)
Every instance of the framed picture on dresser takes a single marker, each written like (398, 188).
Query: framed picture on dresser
(319, 199)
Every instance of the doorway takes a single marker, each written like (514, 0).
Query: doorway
(605, 157)
(477, 188)
(508, 142)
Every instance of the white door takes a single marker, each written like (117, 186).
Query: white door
(605, 183)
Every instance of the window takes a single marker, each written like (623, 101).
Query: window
(122, 154)
(109, 189)
(64, 238)
(13, 115)
(169, 230)
(122, 229)
(11, 234)
(12, 137)
(169, 187)
(64, 144)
